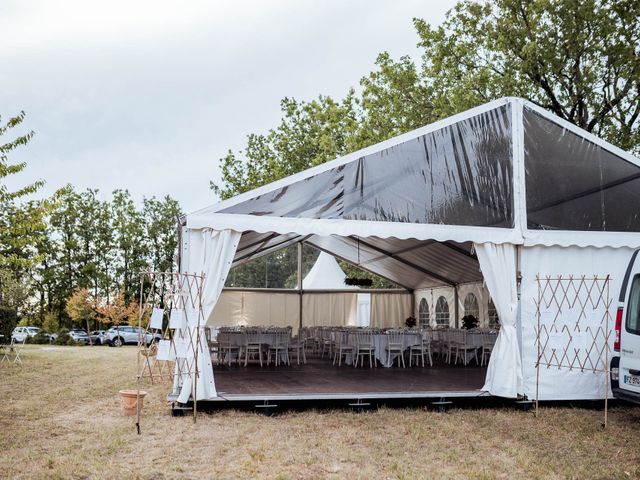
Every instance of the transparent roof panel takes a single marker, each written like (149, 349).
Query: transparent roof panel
(574, 184)
(458, 175)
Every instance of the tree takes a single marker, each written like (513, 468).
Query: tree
(81, 308)
(7, 168)
(128, 223)
(21, 226)
(51, 323)
(118, 312)
(578, 59)
(309, 134)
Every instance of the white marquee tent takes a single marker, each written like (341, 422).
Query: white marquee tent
(502, 193)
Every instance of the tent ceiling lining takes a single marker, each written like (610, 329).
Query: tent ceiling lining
(363, 267)
(409, 263)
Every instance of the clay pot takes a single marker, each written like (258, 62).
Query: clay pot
(129, 400)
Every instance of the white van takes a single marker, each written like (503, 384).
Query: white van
(625, 365)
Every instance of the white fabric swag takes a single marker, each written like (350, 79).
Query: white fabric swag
(498, 265)
(213, 252)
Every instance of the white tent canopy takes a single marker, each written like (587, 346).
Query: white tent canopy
(325, 274)
(454, 202)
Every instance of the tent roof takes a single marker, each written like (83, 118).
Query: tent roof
(325, 274)
(504, 172)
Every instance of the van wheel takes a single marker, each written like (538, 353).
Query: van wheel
(117, 342)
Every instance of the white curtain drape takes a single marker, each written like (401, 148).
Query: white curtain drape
(390, 309)
(498, 265)
(211, 253)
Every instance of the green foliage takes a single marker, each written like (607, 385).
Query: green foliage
(577, 59)
(51, 322)
(6, 168)
(8, 321)
(64, 338)
(40, 338)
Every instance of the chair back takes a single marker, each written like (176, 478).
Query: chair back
(396, 337)
(363, 337)
(253, 337)
(488, 339)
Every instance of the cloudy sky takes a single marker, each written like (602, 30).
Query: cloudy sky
(148, 95)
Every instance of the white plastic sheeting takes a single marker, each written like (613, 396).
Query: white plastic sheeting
(565, 383)
(498, 264)
(210, 253)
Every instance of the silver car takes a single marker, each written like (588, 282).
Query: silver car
(98, 337)
(79, 336)
(121, 335)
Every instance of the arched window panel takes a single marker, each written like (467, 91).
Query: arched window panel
(471, 306)
(423, 313)
(442, 312)
(574, 184)
(460, 174)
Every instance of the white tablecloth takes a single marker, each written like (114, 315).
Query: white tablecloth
(380, 343)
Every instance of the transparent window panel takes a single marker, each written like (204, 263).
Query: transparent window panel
(458, 175)
(574, 184)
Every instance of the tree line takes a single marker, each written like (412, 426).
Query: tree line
(76, 256)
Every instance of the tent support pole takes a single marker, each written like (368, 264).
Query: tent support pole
(455, 305)
(300, 293)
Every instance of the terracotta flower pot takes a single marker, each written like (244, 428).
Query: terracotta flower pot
(129, 400)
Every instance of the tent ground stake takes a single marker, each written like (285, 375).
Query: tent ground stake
(442, 404)
(358, 406)
(267, 408)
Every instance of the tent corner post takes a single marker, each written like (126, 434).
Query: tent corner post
(456, 307)
(300, 291)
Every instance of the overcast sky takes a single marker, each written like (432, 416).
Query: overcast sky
(148, 95)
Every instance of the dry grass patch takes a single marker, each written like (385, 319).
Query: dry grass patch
(61, 419)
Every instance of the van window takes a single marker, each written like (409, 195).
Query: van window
(633, 308)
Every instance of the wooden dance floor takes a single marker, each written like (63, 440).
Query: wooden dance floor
(320, 379)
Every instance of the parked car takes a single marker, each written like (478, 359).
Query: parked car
(20, 334)
(79, 336)
(98, 337)
(121, 335)
(625, 364)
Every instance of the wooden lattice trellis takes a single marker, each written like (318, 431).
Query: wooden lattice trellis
(176, 299)
(573, 326)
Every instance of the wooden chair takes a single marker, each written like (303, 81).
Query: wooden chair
(422, 349)
(465, 348)
(395, 346)
(488, 342)
(280, 348)
(227, 347)
(342, 347)
(298, 345)
(14, 348)
(365, 348)
(253, 346)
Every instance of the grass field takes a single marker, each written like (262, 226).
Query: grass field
(61, 418)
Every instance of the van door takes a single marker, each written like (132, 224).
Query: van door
(630, 334)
